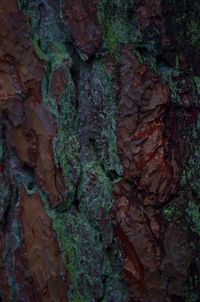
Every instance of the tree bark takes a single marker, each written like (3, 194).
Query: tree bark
(99, 150)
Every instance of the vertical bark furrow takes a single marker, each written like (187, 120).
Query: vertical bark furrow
(99, 150)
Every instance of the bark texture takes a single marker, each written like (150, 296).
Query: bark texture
(99, 151)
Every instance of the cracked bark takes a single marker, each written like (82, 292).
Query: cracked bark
(99, 150)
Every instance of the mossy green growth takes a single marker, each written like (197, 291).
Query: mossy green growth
(68, 227)
(186, 21)
(50, 44)
(69, 244)
(36, 45)
(169, 211)
(23, 5)
(2, 145)
(193, 211)
(191, 289)
(5, 191)
(116, 32)
(83, 253)
(87, 224)
(117, 25)
(170, 76)
(197, 84)
(66, 146)
(171, 81)
(56, 53)
(95, 195)
(190, 184)
(46, 22)
(68, 232)
(175, 209)
(84, 239)
(105, 136)
(193, 29)
(83, 228)
(191, 173)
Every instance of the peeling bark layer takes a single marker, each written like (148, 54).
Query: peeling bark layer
(99, 151)
(149, 182)
(43, 256)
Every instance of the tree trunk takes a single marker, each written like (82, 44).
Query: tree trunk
(99, 150)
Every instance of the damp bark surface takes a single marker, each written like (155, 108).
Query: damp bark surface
(99, 151)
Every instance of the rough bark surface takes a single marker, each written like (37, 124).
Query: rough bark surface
(99, 150)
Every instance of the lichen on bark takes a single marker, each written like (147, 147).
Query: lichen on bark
(79, 95)
(99, 150)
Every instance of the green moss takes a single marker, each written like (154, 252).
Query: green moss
(170, 77)
(66, 146)
(193, 31)
(117, 32)
(5, 191)
(87, 235)
(23, 5)
(173, 86)
(175, 209)
(83, 227)
(190, 289)
(186, 22)
(86, 258)
(169, 212)
(190, 185)
(116, 24)
(191, 173)
(36, 45)
(105, 137)
(69, 247)
(193, 212)
(81, 248)
(50, 44)
(197, 84)
(68, 227)
(95, 181)
(2, 145)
